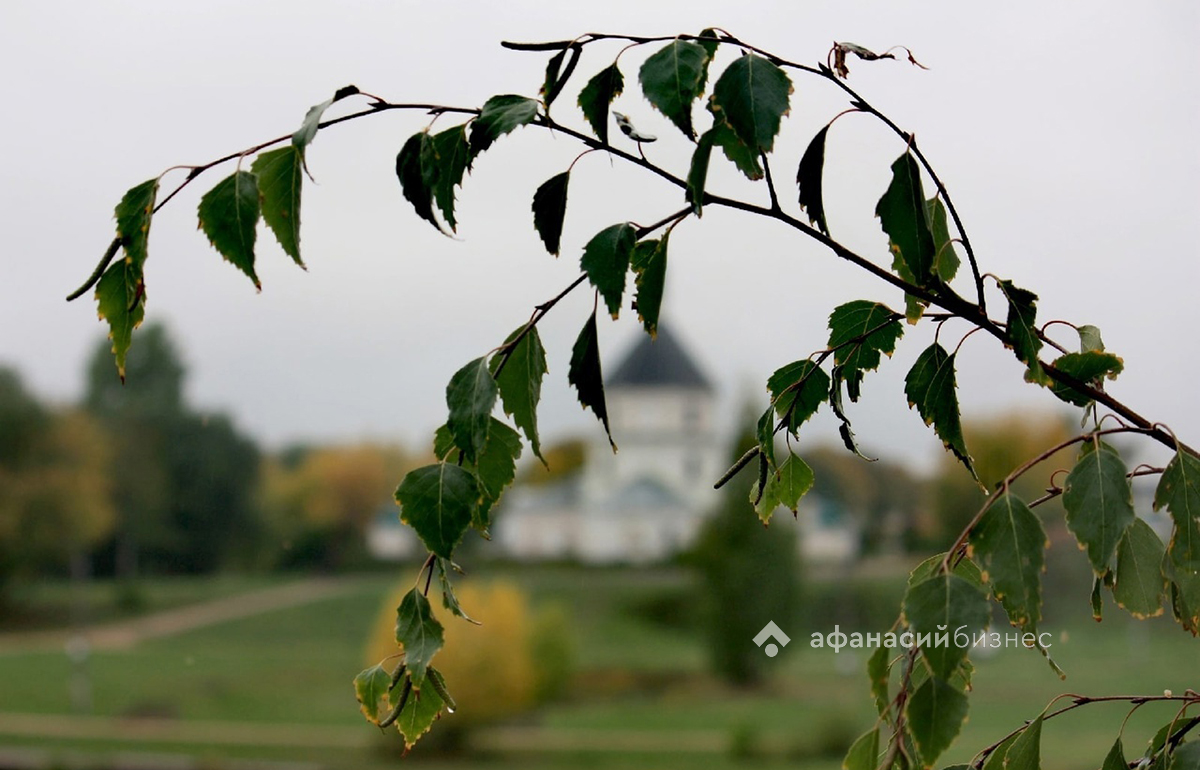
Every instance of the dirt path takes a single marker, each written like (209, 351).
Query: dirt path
(208, 733)
(218, 733)
(124, 634)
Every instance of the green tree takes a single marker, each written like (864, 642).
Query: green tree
(929, 268)
(750, 574)
(55, 491)
(184, 482)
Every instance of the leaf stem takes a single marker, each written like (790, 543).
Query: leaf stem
(770, 182)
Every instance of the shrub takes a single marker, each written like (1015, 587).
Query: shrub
(516, 659)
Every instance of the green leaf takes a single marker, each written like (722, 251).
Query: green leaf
(520, 383)
(122, 310)
(735, 150)
(914, 306)
(412, 178)
(945, 261)
(1009, 544)
(1115, 760)
(860, 331)
(902, 213)
(1022, 331)
(1097, 598)
(133, 214)
(1089, 339)
(995, 760)
(835, 402)
(444, 159)
(585, 375)
(936, 712)
(280, 177)
(597, 95)
(471, 396)
(765, 433)
(549, 209)
(500, 115)
(1185, 599)
(606, 261)
(1025, 753)
(1140, 583)
(785, 486)
(419, 633)
(952, 603)
(556, 77)
(797, 390)
(443, 444)
(371, 688)
(752, 96)
(418, 715)
(1089, 368)
(1178, 491)
(672, 79)
(449, 600)
(438, 501)
(1186, 756)
(808, 179)
(312, 120)
(550, 82)
(229, 217)
(1160, 739)
(1099, 503)
(697, 176)
(649, 262)
(931, 388)
(495, 470)
(708, 40)
(879, 672)
(863, 753)
(965, 569)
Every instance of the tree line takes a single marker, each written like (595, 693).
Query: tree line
(135, 481)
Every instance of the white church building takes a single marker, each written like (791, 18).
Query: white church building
(646, 502)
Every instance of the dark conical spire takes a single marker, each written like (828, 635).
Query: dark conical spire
(659, 362)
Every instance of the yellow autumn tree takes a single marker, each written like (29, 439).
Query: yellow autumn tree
(319, 505)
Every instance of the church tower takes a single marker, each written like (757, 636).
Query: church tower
(662, 411)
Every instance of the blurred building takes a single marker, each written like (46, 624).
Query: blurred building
(644, 503)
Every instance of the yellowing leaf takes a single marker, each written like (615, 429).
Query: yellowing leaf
(371, 689)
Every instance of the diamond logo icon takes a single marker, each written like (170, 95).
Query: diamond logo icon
(769, 631)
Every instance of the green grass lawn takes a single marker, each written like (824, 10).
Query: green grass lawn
(294, 665)
(47, 604)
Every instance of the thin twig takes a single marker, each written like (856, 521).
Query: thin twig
(539, 313)
(1082, 700)
(195, 171)
(1002, 488)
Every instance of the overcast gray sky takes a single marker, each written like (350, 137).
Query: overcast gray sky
(1065, 131)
